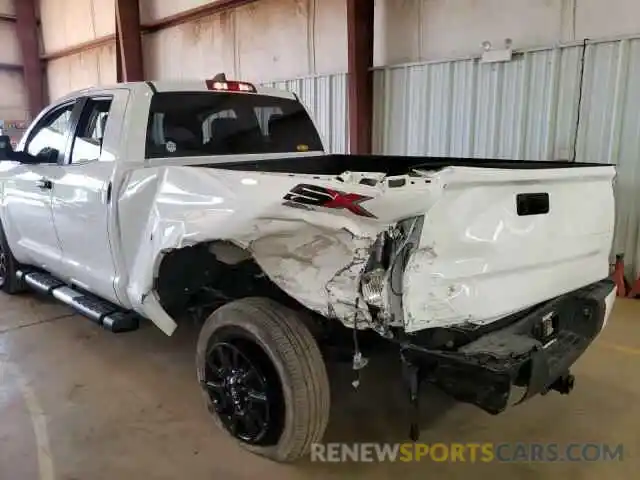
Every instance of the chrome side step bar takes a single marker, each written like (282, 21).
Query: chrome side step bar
(104, 313)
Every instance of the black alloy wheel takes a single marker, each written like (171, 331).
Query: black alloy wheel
(244, 389)
(263, 378)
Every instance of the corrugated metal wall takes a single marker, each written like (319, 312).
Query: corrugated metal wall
(326, 98)
(525, 109)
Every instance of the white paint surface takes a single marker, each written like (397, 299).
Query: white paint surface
(478, 260)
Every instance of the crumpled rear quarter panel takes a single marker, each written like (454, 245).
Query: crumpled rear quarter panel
(314, 256)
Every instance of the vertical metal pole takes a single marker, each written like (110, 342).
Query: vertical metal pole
(360, 76)
(27, 30)
(129, 40)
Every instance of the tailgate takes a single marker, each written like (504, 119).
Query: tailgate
(498, 241)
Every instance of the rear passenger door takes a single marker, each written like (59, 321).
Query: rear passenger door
(81, 200)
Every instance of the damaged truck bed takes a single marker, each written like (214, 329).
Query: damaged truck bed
(216, 201)
(447, 235)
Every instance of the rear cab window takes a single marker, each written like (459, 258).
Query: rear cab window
(193, 124)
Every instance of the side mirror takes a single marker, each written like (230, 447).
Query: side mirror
(46, 155)
(6, 149)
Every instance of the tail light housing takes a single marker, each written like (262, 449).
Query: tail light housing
(372, 286)
(231, 86)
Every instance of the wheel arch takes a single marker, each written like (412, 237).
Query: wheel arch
(207, 275)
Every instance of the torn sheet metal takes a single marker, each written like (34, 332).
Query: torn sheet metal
(316, 257)
(477, 257)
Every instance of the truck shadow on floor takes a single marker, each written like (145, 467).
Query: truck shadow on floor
(378, 409)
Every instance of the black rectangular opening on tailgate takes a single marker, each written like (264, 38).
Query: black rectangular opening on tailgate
(532, 204)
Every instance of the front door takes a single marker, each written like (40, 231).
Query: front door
(28, 192)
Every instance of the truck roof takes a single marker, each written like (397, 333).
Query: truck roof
(171, 86)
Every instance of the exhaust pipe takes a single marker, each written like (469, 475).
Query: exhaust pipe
(564, 384)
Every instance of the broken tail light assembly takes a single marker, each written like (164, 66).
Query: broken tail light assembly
(309, 196)
(372, 285)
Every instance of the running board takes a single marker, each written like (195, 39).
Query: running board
(104, 313)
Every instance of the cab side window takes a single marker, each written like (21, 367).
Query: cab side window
(49, 135)
(88, 138)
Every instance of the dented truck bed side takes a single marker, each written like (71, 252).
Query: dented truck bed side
(467, 243)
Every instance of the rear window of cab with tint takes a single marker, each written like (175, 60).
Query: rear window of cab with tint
(192, 124)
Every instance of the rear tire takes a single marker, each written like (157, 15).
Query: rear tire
(287, 367)
(9, 282)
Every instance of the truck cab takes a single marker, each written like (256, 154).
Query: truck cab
(59, 210)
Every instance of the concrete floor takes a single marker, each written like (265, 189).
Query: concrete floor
(80, 403)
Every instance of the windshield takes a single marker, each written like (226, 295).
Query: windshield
(188, 124)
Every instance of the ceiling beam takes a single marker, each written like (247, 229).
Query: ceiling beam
(80, 47)
(194, 14)
(129, 40)
(11, 67)
(360, 75)
(27, 31)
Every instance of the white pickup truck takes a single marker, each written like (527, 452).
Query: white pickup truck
(160, 200)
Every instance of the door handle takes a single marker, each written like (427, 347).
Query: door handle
(45, 184)
(108, 194)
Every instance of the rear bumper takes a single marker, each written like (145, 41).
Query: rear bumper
(532, 352)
